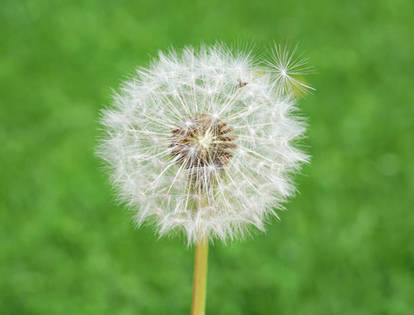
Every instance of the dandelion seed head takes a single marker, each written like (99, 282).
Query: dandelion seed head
(201, 141)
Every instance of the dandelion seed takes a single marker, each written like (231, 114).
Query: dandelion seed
(288, 70)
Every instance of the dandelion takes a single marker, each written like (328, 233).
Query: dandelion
(202, 142)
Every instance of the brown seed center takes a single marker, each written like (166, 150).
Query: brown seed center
(202, 141)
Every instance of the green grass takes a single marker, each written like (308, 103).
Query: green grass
(344, 246)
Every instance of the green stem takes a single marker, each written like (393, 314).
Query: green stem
(200, 279)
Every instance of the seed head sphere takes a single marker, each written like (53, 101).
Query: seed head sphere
(202, 140)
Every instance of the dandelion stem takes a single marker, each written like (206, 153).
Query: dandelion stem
(200, 278)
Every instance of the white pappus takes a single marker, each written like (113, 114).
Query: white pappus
(201, 141)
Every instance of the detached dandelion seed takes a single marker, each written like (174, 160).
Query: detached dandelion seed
(201, 142)
(287, 70)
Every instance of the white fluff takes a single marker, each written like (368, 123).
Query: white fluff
(254, 100)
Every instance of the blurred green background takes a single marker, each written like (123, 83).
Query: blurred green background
(345, 245)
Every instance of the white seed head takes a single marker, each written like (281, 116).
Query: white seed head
(201, 142)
